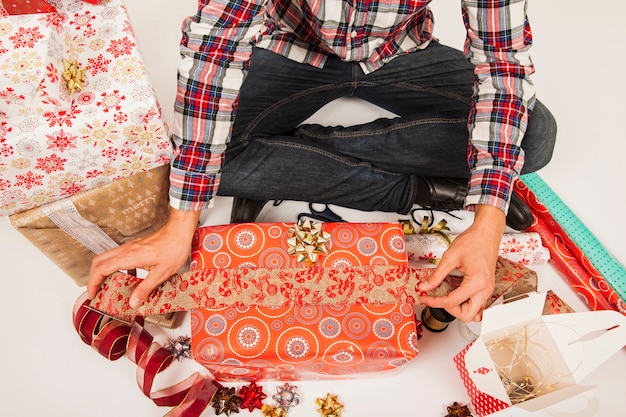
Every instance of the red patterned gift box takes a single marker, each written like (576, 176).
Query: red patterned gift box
(302, 341)
(77, 110)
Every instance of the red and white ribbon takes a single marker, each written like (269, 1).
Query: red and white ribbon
(113, 339)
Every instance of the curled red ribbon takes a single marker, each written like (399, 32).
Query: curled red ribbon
(113, 339)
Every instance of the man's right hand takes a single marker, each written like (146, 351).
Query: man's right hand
(161, 253)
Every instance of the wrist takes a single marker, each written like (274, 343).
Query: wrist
(490, 218)
(182, 222)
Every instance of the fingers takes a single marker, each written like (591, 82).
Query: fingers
(438, 275)
(465, 302)
(469, 310)
(102, 266)
(125, 257)
(146, 286)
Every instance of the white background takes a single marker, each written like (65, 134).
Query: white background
(46, 370)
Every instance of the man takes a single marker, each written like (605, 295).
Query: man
(254, 70)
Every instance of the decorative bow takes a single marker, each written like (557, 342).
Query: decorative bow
(73, 75)
(308, 241)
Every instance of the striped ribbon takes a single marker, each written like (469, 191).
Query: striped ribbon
(114, 338)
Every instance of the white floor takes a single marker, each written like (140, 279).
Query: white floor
(46, 369)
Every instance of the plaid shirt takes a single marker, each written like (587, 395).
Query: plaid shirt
(218, 41)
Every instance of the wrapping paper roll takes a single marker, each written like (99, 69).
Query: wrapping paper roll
(569, 259)
(523, 248)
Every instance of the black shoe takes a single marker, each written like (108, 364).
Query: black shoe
(519, 216)
(246, 210)
(440, 193)
(448, 194)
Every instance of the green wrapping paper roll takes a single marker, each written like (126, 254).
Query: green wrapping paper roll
(610, 268)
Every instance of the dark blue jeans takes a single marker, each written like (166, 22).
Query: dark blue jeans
(372, 166)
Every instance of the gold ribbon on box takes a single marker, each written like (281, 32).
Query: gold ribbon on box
(214, 288)
(438, 229)
(73, 75)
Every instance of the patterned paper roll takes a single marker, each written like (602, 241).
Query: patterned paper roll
(568, 259)
(575, 234)
(523, 248)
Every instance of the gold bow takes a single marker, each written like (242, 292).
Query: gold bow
(329, 406)
(73, 75)
(308, 241)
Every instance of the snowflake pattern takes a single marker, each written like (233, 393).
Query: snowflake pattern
(6, 150)
(53, 144)
(121, 47)
(98, 64)
(28, 180)
(4, 184)
(82, 21)
(524, 248)
(61, 141)
(111, 101)
(23, 68)
(20, 163)
(51, 163)
(26, 37)
(62, 117)
(128, 70)
(28, 147)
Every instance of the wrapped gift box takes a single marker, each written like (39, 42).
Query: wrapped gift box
(266, 245)
(532, 361)
(308, 341)
(71, 231)
(77, 110)
(304, 342)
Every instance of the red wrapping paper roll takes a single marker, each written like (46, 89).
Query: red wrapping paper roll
(568, 258)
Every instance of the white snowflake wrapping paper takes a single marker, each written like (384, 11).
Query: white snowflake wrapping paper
(54, 144)
(524, 247)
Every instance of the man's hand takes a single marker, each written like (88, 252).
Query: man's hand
(161, 253)
(473, 253)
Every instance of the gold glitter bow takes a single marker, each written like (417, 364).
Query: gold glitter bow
(329, 406)
(308, 241)
(73, 75)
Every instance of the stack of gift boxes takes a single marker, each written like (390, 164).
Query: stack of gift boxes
(85, 149)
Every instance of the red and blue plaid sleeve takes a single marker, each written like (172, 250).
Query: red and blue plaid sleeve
(498, 43)
(216, 47)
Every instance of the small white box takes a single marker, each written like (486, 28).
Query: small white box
(550, 354)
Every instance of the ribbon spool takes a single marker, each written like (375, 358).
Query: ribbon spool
(436, 319)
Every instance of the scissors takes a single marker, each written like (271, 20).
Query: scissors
(325, 215)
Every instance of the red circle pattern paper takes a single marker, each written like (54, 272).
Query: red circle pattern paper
(303, 341)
